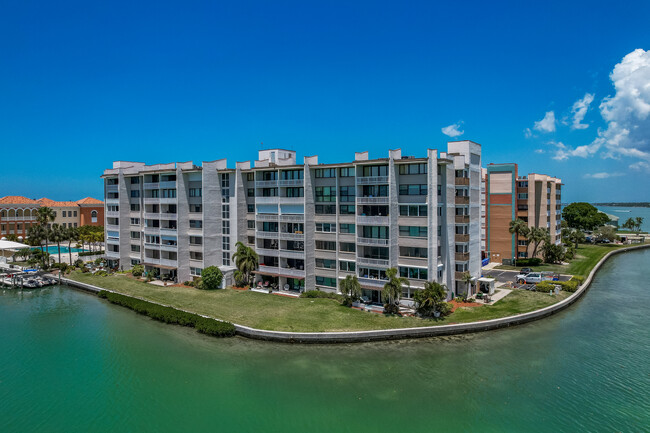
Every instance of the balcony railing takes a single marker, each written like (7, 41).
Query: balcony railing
(151, 216)
(168, 216)
(169, 247)
(370, 180)
(151, 200)
(462, 219)
(291, 254)
(267, 252)
(169, 262)
(290, 182)
(372, 200)
(462, 181)
(113, 254)
(266, 235)
(151, 261)
(372, 241)
(170, 200)
(168, 231)
(462, 238)
(373, 282)
(462, 199)
(113, 214)
(372, 262)
(112, 188)
(267, 200)
(292, 272)
(151, 185)
(292, 236)
(291, 200)
(168, 184)
(19, 218)
(292, 218)
(373, 220)
(462, 257)
(266, 183)
(266, 217)
(114, 227)
(152, 230)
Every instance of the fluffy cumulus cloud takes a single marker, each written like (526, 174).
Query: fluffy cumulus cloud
(602, 175)
(547, 124)
(453, 130)
(640, 166)
(579, 110)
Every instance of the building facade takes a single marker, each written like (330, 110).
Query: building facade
(17, 214)
(535, 199)
(311, 224)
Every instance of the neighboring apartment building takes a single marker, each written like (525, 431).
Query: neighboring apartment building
(311, 224)
(535, 198)
(18, 213)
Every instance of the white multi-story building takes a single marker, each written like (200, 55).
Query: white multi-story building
(311, 224)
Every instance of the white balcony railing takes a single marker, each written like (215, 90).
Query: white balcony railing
(151, 200)
(266, 217)
(266, 183)
(290, 182)
(292, 272)
(168, 184)
(292, 254)
(267, 252)
(372, 200)
(151, 260)
(369, 180)
(373, 282)
(113, 254)
(292, 236)
(112, 214)
(266, 235)
(372, 241)
(151, 185)
(292, 218)
(168, 216)
(168, 231)
(373, 220)
(372, 262)
(292, 200)
(168, 247)
(151, 215)
(169, 262)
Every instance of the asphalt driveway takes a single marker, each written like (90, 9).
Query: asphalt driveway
(509, 276)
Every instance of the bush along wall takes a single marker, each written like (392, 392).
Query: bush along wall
(568, 286)
(171, 315)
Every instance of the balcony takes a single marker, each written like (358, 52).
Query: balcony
(372, 200)
(151, 261)
(372, 241)
(113, 227)
(364, 220)
(462, 257)
(113, 214)
(373, 262)
(462, 238)
(267, 200)
(168, 184)
(168, 216)
(151, 185)
(291, 200)
(113, 241)
(266, 183)
(151, 216)
(152, 230)
(292, 254)
(462, 219)
(266, 217)
(112, 254)
(298, 273)
(292, 218)
(290, 182)
(292, 236)
(372, 282)
(168, 200)
(167, 231)
(19, 218)
(372, 180)
(169, 248)
(266, 235)
(112, 188)
(462, 181)
(151, 200)
(462, 199)
(267, 252)
(169, 262)
(112, 201)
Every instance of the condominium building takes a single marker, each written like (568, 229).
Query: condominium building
(18, 213)
(535, 199)
(311, 224)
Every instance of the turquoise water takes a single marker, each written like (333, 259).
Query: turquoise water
(623, 213)
(70, 362)
(53, 249)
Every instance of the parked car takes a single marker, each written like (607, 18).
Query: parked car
(525, 271)
(536, 277)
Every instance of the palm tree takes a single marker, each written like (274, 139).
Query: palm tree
(467, 279)
(246, 260)
(630, 223)
(72, 234)
(538, 235)
(35, 235)
(351, 288)
(57, 234)
(393, 290)
(428, 301)
(638, 221)
(519, 228)
(98, 237)
(576, 236)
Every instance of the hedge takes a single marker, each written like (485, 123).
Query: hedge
(320, 294)
(171, 315)
(568, 286)
(533, 261)
(90, 253)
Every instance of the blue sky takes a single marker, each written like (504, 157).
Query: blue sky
(85, 83)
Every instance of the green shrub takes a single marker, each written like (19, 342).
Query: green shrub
(534, 261)
(188, 283)
(445, 308)
(211, 277)
(568, 286)
(321, 294)
(391, 309)
(79, 263)
(171, 315)
(62, 266)
(545, 286)
(101, 274)
(90, 253)
(137, 270)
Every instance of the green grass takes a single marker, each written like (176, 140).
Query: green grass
(586, 258)
(279, 313)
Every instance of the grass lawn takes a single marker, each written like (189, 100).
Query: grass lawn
(586, 258)
(279, 313)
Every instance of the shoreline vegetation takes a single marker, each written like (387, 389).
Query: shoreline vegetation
(623, 204)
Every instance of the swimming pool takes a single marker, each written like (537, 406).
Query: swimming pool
(52, 249)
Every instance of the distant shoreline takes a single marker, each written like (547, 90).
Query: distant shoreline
(639, 204)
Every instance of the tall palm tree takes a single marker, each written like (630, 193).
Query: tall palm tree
(351, 288)
(519, 228)
(72, 234)
(35, 236)
(537, 236)
(44, 216)
(393, 289)
(246, 260)
(57, 234)
(428, 301)
(638, 221)
(467, 279)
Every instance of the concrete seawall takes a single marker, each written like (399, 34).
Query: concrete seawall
(404, 333)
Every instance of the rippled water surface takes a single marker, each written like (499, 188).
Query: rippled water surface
(70, 362)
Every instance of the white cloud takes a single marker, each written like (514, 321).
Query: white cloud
(640, 166)
(602, 175)
(540, 151)
(579, 110)
(453, 130)
(528, 133)
(547, 124)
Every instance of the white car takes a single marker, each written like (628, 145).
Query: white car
(532, 278)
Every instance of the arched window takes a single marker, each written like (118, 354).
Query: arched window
(3, 214)
(93, 216)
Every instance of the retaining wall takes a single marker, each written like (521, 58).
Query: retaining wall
(404, 333)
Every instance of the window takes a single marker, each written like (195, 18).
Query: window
(413, 210)
(225, 228)
(522, 196)
(347, 194)
(522, 243)
(346, 171)
(325, 227)
(419, 189)
(196, 255)
(325, 172)
(324, 209)
(346, 209)
(250, 208)
(325, 193)
(225, 180)
(439, 189)
(413, 273)
(225, 211)
(135, 180)
(75, 213)
(413, 252)
(325, 263)
(269, 192)
(226, 258)
(93, 216)
(375, 170)
(111, 181)
(169, 193)
(295, 192)
(374, 232)
(108, 208)
(269, 226)
(196, 192)
(196, 224)
(413, 168)
(135, 235)
(151, 239)
(326, 245)
(63, 214)
(375, 190)
(251, 224)
(195, 271)
(347, 266)
(135, 248)
(269, 175)
(413, 231)
(196, 240)
(225, 243)
(250, 177)
(291, 174)
(347, 247)
(135, 193)
(346, 228)
(135, 221)
(325, 281)
(250, 192)
(135, 207)
(196, 208)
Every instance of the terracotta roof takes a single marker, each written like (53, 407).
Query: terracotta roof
(89, 200)
(51, 203)
(17, 199)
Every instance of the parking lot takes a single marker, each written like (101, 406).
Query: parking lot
(509, 277)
